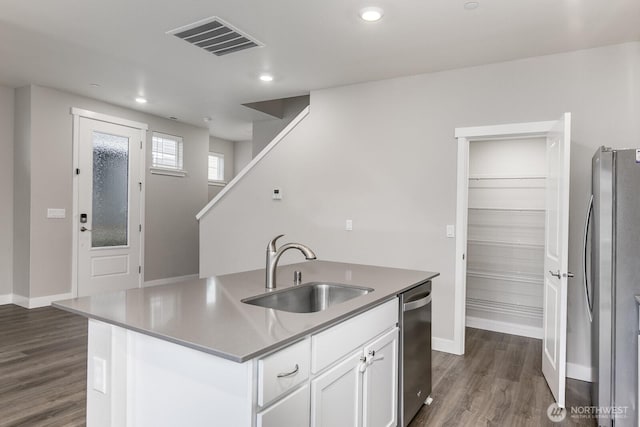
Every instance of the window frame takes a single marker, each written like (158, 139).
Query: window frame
(218, 182)
(166, 170)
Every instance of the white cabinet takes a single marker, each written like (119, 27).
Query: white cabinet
(345, 375)
(380, 382)
(282, 371)
(362, 387)
(293, 410)
(335, 395)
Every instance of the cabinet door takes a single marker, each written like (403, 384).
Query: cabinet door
(380, 382)
(335, 395)
(293, 410)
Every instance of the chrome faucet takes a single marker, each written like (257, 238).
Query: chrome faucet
(273, 255)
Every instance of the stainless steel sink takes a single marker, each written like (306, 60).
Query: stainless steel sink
(309, 297)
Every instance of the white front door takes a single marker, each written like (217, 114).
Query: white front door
(554, 341)
(109, 206)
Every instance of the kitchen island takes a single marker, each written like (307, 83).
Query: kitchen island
(193, 353)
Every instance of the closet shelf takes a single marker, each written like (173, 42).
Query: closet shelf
(506, 244)
(534, 279)
(492, 177)
(496, 307)
(507, 209)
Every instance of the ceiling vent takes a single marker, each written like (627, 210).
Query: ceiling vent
(215, 36)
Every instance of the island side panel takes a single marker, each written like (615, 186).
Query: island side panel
(152, 382)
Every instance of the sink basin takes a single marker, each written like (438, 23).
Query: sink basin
(309, 297)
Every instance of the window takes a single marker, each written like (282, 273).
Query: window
(167, 154)
(216, 167)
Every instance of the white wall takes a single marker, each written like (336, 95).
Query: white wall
(222, 146)
(265, 130)
(22, 192)
(242, 155)
(6, 190)
(171, 203)
(384, 155)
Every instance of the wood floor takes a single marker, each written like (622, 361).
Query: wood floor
(497, 383)
(43, 362)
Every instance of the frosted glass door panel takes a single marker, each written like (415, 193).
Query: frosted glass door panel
(110, 190)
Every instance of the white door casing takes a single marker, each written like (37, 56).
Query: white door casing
(108, 203)
(556, 258)
(557, 134)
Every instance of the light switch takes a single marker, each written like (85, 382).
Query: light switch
(100, 375)
(348, 225)
(56, 213)
(451, 231)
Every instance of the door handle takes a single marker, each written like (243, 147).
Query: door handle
(289, 374)
(558, 275)
(412, 305)
(585, 277)
(83, 229)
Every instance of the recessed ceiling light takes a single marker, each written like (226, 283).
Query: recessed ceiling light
(266, 77)
(371, 14)
(470, 5)
(173, 118)
(94, 85)
(207, 119)
(141, 100)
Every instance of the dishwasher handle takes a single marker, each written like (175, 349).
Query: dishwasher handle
(420, 301)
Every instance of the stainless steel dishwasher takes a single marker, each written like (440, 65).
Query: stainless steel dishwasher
(414, 374)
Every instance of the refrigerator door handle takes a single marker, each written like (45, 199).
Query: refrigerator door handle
(585, 276)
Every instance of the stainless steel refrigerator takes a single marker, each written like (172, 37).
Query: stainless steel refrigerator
(612, 279)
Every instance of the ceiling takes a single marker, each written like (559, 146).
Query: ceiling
(122, 45)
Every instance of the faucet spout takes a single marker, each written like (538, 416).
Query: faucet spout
(273, 256)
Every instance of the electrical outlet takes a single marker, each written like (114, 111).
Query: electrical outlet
(100, 374)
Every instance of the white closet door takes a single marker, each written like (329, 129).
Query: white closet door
(554, 344)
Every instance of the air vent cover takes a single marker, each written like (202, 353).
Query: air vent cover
(215, 36)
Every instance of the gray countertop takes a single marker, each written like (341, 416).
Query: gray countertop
(208, 315)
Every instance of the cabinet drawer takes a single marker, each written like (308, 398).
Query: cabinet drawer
(338, 341)
(283, 370)
(293, 410)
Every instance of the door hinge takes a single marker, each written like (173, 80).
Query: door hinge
(140, 184)
(77, 171)
(139, 269)
(140, 228)
(141, 145)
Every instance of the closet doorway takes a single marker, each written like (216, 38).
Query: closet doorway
(512, 225)
(505, 235)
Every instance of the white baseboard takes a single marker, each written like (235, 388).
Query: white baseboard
(169, 280)
(579, 372)
(20, 300)
(6, 299)
(39, 301)
(504, 327)
(444, 345)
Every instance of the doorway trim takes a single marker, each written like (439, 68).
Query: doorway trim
(142, 127)
(463, 137)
